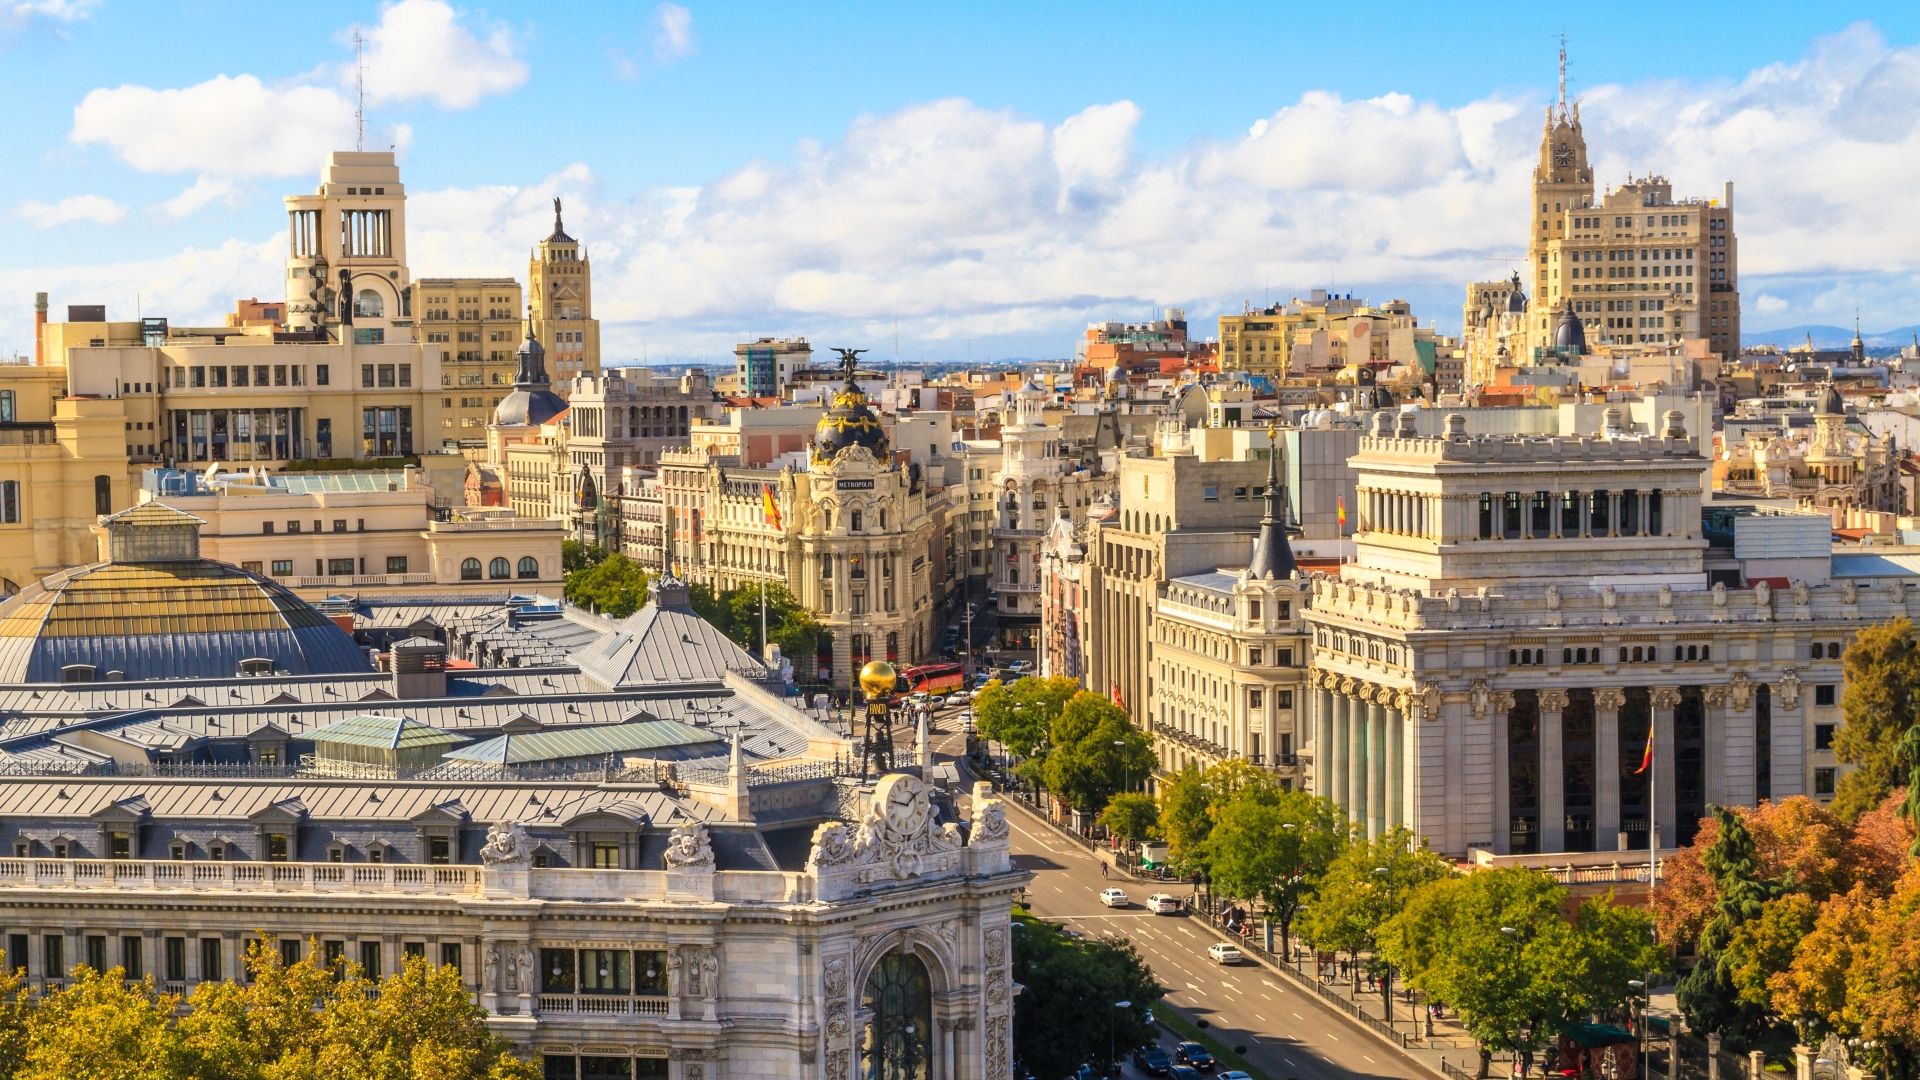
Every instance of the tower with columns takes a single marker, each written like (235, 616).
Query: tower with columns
(1524, 614)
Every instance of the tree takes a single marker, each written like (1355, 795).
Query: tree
(1497, 946)
(1095, 752)
(1855, 975)
(615, 587)
(16, 1007)
(1062, 978)
(1707, 994)
(102, 1024)
(1190, 800)
(1762, 949)
(1812, 992)
(1131, 815)
(1274, 846)
(579, 555)
(1020, 714)
(1365, 885)
(1881, 702)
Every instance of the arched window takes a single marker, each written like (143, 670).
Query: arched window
(367, 305)
(854, 524)
(898, 998)
(470, 570)
(529, 567)
(103, 494)
(893, 646)
(499, 568)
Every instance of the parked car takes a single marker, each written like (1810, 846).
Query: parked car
(1114, 897)
(1221, 952)
(1194, 1055)
(1232, 1074)
(1152, 1060)
(1163, 904)
(1183, 1072)
(1021, 667)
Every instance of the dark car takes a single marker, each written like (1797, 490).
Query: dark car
(1192, 1053)
(1183, 1072)
(1152, 1060)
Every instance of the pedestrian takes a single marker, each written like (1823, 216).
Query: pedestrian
(1103, 869)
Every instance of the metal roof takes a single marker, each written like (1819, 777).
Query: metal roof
(646, 735)
(386, 732)
(306, 483)
(1850, 565)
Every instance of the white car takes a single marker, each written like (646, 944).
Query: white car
(1221, 952)
(1163, 904)
(960, 697)
(1114, 897)
(1232, 1074)
(1021, 666)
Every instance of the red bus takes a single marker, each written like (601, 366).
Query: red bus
(936, 678)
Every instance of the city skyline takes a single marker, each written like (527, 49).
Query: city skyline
(986, 215)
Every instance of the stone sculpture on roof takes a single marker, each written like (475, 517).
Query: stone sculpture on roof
(690, 848)
(507, 842)
(898, 836)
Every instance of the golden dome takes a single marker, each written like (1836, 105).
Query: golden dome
(878, 679)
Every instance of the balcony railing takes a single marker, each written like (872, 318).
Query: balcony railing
(355, 580)
(602, 1005)
(242, 876)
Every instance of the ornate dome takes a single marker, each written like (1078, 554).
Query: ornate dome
(157, 610)
(1570, 333)
(849, 420)
(532, 401)
(1516, 300)
(1830, 402)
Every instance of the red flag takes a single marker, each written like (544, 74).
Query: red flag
(1646, 759)
(1118, 699)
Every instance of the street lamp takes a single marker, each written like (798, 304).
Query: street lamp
(1126, 767)
(1386, 979)
(1113, 1024)
(1642, 997)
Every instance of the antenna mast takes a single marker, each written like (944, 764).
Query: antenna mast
(1563, 73)
(360, 89)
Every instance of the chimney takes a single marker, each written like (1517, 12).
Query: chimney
(39, 329)
(419, 667)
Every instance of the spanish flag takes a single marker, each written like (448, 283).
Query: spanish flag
(1340, 508)
(1646, 759)
(769, 511)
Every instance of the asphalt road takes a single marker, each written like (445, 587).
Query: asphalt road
(1287, 1032)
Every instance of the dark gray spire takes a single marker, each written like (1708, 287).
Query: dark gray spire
(1272, 555)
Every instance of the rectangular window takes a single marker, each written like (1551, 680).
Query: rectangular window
(6, 406)
(10, 502)
(1823, 780)
(289, 951)
(276, 847)
(53, 955)
(97, 952)
(450, 954)
(370, 959)
(366, 376)
(340, 567)
(556, 971)
(319, 375)
(440, 851)
(120, 845)
(1283, 699)
(210, 959)
(1823, 736)
(253, 566)
(396, 564)
(17, 950)
(339, 524)
(606, 856)
(1256, 657)
(175, 966)
(131, 958)
(282, 567)
(606, 971)
(333, 954)
(1823, 694)
(413, 950)
(1255, 699)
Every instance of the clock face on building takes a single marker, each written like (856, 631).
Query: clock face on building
(1562, 154)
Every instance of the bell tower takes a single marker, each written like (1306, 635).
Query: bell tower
(560, 291)
(1562, 180)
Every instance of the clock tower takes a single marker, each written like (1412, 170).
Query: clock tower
(1562, 180)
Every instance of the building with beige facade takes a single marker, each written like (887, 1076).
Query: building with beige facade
(1635, 265)
(366, 532)
(1525, 615)
(477, 323)
(1324, 335)
(560, 293)
(765, 367)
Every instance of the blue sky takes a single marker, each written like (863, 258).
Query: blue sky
(988, 177)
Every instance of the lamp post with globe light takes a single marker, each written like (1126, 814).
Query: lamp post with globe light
(878, 682)
(1113, 1024)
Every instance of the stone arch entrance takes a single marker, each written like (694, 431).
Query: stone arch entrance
(897, 1004)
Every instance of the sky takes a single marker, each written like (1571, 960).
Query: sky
(972, 181)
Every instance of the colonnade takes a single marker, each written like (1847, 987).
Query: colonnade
(1361, 750)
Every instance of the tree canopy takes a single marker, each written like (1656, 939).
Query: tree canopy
(1065, 1015)
(1365, 885)
(736, 613)
(1020, 714)
(302, 1021)
(1273, 845)
(615, 586)
(1881, 703)
(1708, 995)
(1095, 752)
(1131, 815)
(1191, 799)
(579, 555)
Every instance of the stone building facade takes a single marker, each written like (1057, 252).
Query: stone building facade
(1527, 618)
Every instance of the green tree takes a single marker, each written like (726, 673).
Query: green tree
(1021, 713)
(1763, 948)
(1273, 845)
(711, 608)
(1497, 946)
(1707, 994)
(1365, 885)
(615, 587)
(1191, 799)
(16, 1008)
(1065, 979)
(103, 1025)
(1881, 702)
(579, 555)
(1096, 752)
(1131, 815)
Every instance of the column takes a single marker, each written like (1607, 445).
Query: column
(1737, 755)
(1606, 767)
(1322, 741)
(1396, 768)
(1713, 754)
(1356, 802)
(1499, 726)
(1553, 792)
(1788, 739)
(1664, 698)
(1339, 788)
(1376, 769)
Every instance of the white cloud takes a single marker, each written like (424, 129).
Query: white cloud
(237, 126)
(202, 192)
(95, 208)
(421, 51)
(1768, 304)
(15, 14)
(672, 32)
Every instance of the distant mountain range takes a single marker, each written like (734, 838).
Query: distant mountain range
(1830, 337)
